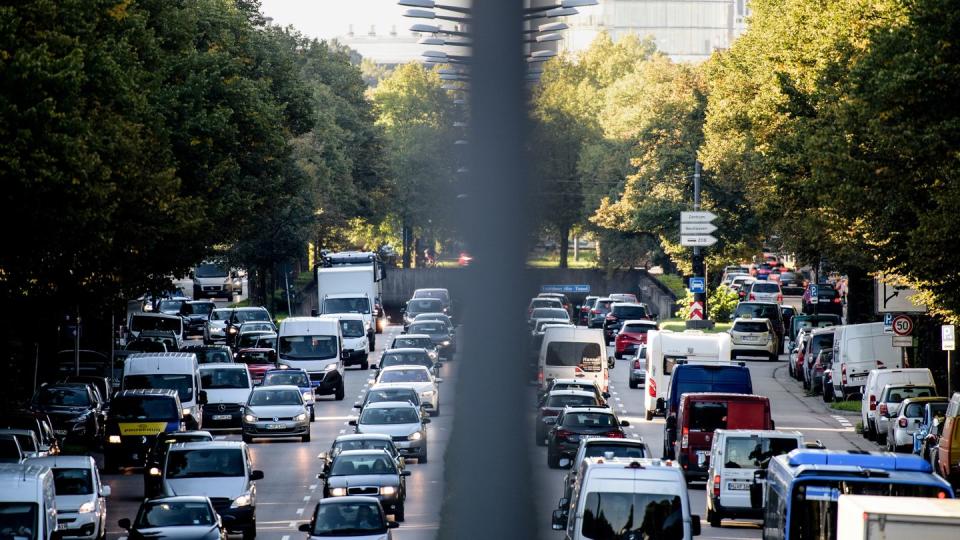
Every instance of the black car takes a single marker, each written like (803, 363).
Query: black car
(574, 423)
(362, 441)
(416, 306)
(103, 385)
(829, 301)
(554, 403)
(620, 312)
(372, 473)
(210, 354)
(437, 330)
(601, 307)
(157, 456)
(38, 423)
(176, 517)
(408, 357)
(75, 411)
(344, 517)
(763, 310)
(195, 314)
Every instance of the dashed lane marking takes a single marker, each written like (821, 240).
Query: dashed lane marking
(801, 429)
(285, 537)
(306, 498)
(842, 421)
(299, 511)
(313, 487)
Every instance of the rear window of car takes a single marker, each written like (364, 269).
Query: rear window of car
(630, 312)
(752, 326)
(897, 394)
(638, 328)
(549, 313)
(708, 416)
(759, 311)
(588, 419)
(563, 401)
(545, 302)
(585, 355)
(603, 305)
(754, 452)
(424, 305)
(761, 287)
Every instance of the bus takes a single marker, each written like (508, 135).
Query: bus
(666, 349)
(802, 488)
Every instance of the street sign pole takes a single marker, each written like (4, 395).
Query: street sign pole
(948, 342)
(697, 253)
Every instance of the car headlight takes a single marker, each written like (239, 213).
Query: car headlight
(428, 393)
(244, 500)
(113, 439)
(307, 394)
(416, 436)
(388, 490)
(432, 355)
(249, 418)
(187, 411)
(154, 471)
(300, 417)
(86, 507)
(338, 492)
(446, 342)
(330, 367)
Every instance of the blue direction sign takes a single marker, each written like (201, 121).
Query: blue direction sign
(698, 285)
(573, 289)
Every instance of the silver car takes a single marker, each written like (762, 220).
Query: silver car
(764, 291)
(638, 368)
(276, 412)
(215, 328)
(402, 421)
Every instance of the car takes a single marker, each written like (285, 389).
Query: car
(172, 305)
(765, 291)
(416, 341)
(628, 298)
(620, 312)
(195, 314)
(575, 384)
(932, 416)
(763, 310)
(135, 419)
(437, 293)
(402, 420)
(543, 302)
(829, 301)
(10, 451)
(102, 385)
(295, 377)
(795, 362)
(947, 451)
(876, 380)
(377, 394)
(276, 412)
(221, 470)
(408, 357)
(362, 441)
(573, 423)
(241, 315)
(564, 301)
(210, 354)
(258, 362)
(80, 495)
(416, 306)
(75, 411)
(153, 340)
(583, 317)
(451, 329)
(740, 285)
(417, 377)
(787, 313)
(256, 339)
(902, 427)
(356, 345)
(888, 405)
(638, 369)
(349, 517)
(753, 337)
(367, 472)
(215, 327)
(38, 423)
(554, 403)
(227, 386)
(26, 440)
(631, 336)
(247, 333)
(157, 456)
(176, 517)
(212, 279)
(603, 447)
(445, 342)
(599, 312)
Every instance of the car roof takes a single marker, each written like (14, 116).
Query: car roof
(222, 365)
(363, 452)
(590, 409)
(64, 461)
(390, 405)
(607, 440)
(389, 386)
(405, 366)
(179, 499)
(363, 437)
(208, 445)
(250, 308)
(574, 381)
(629, 304)
(285, 370)
(643, 322)
(276, 387)
(348, 499)
(406, 350)
(750, 319)
(583, 393)
(417, 336)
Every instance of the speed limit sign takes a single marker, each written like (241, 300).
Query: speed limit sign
(902, 325)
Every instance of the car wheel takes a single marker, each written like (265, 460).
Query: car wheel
(373, 344)
(649, 416)
(313, 414)
(827, 393)
(773, 357)
(435, 412)
(633, 384)
(423, 457)
(306, 438)
(553, 461)
(868, 432)
(250, 532)
(881, 438)
(338, 395)
(618, 356)
(365, 364)
(247, 439)
(398, 514)
(713, 518)
(540, 438)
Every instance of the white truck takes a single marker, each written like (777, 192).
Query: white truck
(666, 348)
(871, 517)
(349, 289)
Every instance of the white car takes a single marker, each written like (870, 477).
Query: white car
(228, 387)
(81, 496)
(764, 291)
(215, 328)
(902, 427)
(417, 377)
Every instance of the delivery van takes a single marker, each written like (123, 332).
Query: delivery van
(28, 502)
(857, 349)
(172, 371)
(315, 345)
(573, 353)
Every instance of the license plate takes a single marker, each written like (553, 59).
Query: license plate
(221, 417)
(404, 450)
(275, 426)
(738, 486)
(748, 338)
(858, 376)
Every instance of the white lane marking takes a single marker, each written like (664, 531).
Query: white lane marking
(292, 525)
(333, 418)
(299, 511)
(841, 420)
(802, 429)
(342, 431)
(306, 498)
(286, 536)
(313, 487)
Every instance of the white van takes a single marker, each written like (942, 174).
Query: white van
(156, 321)
(355, 341)
(630, 496)
(573, 353)
(28, 500)
(857, 349)
(666, 348)
(228, 388)
(734, 456)
(876, 380)
(314, 345)
(174, 371)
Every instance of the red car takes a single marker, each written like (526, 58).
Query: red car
(632, 335)
(258, 362)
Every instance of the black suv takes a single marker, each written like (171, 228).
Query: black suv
(75, 409)
(575, 423)
(619, 312)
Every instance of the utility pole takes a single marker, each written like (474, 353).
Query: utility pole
(698, 266)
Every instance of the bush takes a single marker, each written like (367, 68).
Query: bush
(720, 304)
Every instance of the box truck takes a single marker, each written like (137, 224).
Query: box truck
(872, 517)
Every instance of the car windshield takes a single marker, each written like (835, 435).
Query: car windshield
(171, 305)
(588, 420)
(345, 465)
(308, 347)
(156, 514)
(393, 394)
(349, 519)
(143, 408)
(439, 294)
(574, 386)
(63, 395)
(212, 356)
(291, 378)
(424, 305)
(759, 311)
(428, 328)
(72, 481)
(26, 442)
(406, 358)
(755, 452)
(269, 396)
(399, 415)
(183, 384)
(346, 305)
(247, 315)
(614, 516)
(351, 329)
(412, 343)
(362, 444)
(18, 521)
(630, 312)
(223, 379)
(760, 287)
(573, 400)
(549, 313)
(897, 394)
(750, 327)
(164, 324)
(588, 356)
(708, 416)
(618, 450)
(221, 314)
(205, 462)
(405, 375)
(210, 271)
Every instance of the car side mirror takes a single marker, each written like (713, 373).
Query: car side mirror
(105, 491)
(624, 423)
(559, 521)
(695, 525)
(202, 397)
(322, 475)
(256, 475)
(606, 395)
(392, 525)
(438, 380)
(124, 524)
(344, 355)
(405, 473)
(314, 313)
(305, 527)
(357, 406)
(426, 420)
(376, 367)
(352, 423)
(671, 422)
(322, 455)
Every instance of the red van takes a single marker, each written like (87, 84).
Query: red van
(700, 414)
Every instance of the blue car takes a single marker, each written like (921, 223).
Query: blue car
(293, 377)
(930, 411)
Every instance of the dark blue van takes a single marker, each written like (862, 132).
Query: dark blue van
(711, 378)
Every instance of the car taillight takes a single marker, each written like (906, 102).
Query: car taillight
(652, 388)
(818, 367)
(540, 377)
(753, 296)
(595, 311)
(880, 365)
(843, 374)
(902, 422)
(716, 486)
(779, 298)
(611, 317)
(882, 409)
(636, 364)
(562, 433)
(616, 435)
(873, 403)
(837, 300)
(685, 438)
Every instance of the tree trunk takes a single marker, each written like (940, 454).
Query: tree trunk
(564, 244)
(406, 246)
(417, 254)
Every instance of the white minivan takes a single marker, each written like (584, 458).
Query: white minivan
(28, 500)
(177, 371)
(81, 495)
(857, 349)
(876, 380)
(629, 496)
(734, 456)
(228, 387)
(355, 341)
(573, 353)
(315, 345)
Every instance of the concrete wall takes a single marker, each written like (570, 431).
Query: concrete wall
(399, 284)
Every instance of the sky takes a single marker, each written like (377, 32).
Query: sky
(326, 19)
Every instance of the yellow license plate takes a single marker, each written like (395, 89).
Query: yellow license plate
(142, 428)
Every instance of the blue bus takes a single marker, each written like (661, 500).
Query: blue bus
(802, 488)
